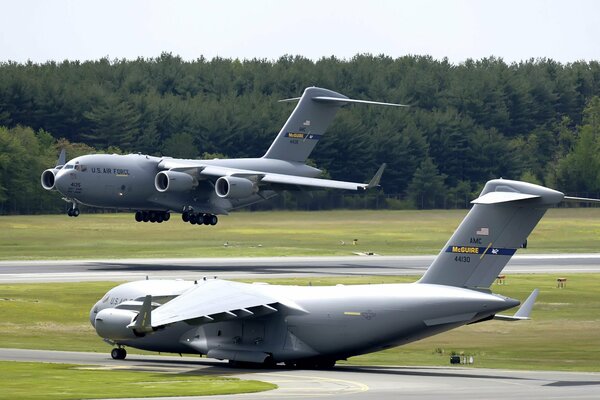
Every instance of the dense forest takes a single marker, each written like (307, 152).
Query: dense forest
(537, 120)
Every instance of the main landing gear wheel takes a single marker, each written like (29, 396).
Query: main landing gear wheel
(152, 216)
(73, 212)
(199, 219)
(118, 353)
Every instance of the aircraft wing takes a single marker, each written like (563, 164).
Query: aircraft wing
(323, 183)
(216, 299)
(198, 169)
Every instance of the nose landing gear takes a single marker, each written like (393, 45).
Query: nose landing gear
(73, 211)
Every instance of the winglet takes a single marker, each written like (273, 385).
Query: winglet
(523, 312)
(143, 321)
(62, 158)
(374, 182)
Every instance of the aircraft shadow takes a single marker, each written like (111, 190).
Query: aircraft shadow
(212, 270)
(211, 367)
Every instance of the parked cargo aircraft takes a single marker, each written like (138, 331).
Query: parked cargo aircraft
(202, 189)
(311, 326)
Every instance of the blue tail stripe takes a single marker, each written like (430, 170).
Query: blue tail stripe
(495, 251)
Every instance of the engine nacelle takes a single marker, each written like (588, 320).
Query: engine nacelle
(173, 181)
(48, 178)
(111, 323)
(231, 187)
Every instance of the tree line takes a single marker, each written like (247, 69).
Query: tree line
(536, 120)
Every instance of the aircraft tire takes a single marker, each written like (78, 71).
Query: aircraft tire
(193, 219)
(206, 219)
(269, 362)
(76, 212)
(139, 216)
(166, 216)
(118, 354)
(185, 216)
(214, 219)
(70, 212)
(159, 218)
(145, 216)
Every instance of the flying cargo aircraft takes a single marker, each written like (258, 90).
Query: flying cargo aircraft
(309, 326)
(202, 189)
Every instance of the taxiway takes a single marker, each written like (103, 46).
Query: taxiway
(352, 382)
(266, 267)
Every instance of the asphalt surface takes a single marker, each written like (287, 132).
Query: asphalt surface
(257, 268)
(350, 381)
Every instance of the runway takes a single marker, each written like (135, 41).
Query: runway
(258, 268)
(350, 381)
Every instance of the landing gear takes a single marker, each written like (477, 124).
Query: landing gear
(73, 212)
(152, 216)
(199, 219)
(118, 354)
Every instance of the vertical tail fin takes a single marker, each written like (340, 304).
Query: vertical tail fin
(308, 122)
(498, 224)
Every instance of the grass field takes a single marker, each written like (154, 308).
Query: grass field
(563, 335)
(64, 381)
(272, 234)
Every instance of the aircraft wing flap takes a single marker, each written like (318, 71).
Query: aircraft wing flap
(217, 299)
(281, 179)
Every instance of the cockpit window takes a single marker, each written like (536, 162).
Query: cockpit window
(69, 166)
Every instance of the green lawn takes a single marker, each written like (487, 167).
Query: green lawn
(24, 380)
(563, 334)
(279, 233)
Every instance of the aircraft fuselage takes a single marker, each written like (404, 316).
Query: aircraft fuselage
(127, 182)
(378, 317)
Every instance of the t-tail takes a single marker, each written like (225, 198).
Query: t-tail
(498, 224)
(308, 123)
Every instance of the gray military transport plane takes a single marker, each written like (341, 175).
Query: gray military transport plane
(202, 189)
(309, 326)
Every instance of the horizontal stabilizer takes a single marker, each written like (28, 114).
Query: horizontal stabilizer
(580, 199)
(502, 197)
(342, 101)
(523, 312)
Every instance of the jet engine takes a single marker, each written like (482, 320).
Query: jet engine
(48, 178)
(231, 187)
(173, 181)
(111, 323)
